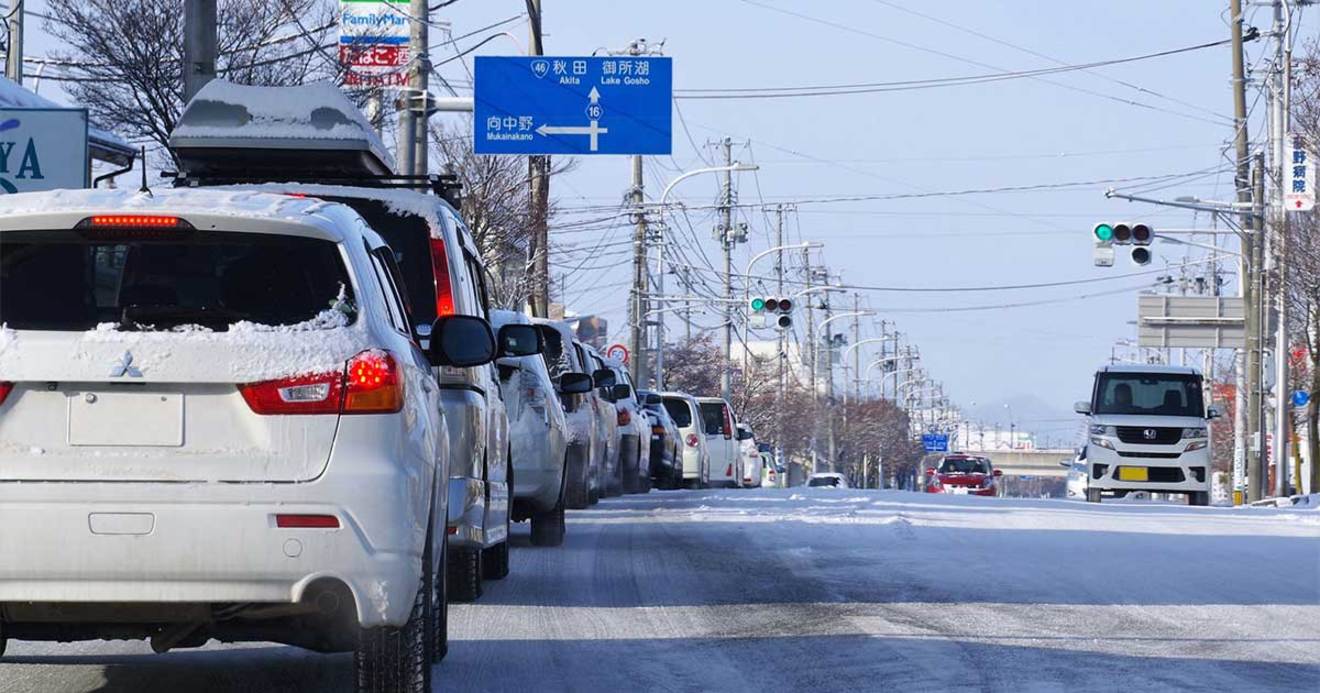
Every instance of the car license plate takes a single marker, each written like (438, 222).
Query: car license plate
(958, 490)
(1133, 474)
(126, 419)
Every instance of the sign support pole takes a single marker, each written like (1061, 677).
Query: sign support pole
(199, 45)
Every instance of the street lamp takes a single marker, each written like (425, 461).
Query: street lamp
(664, 198)
(1012, 427)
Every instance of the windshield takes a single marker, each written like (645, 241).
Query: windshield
(1149, 394)
(823, 481)
(965, 465)
(59, 280)
(679, 411)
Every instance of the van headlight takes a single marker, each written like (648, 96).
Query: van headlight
(1196, 445)
(1101, 442)
(1189, 433)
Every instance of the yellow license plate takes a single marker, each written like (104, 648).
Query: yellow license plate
(1132, 474)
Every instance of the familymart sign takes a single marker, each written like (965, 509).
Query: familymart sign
(43, 149)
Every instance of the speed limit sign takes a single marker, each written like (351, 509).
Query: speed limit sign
(618, 352)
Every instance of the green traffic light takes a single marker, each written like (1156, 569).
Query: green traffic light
(1104, 232)
(758, 304)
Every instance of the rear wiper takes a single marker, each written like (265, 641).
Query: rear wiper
(140, 317)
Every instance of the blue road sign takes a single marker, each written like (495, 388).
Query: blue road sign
(1301, 398)
(548, 105)
(935, 442)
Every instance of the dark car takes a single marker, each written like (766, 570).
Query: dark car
(666, 454)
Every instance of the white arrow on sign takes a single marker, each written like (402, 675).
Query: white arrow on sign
(594, 130)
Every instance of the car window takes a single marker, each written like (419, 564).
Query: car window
(478, 280)
(390, 292)
(408, 236)
(823, 481)
(965, 465)
(1149, 394)
(712, 416)
(57, 280)
(679, 411)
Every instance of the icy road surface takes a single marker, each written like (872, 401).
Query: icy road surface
(825, 590)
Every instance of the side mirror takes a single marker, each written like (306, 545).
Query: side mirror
(1214, 411)
(574, 384)
(520, 340)
(1083, 408)
(620, 391)
(604, 378)
(744, 434)
(461, 341)
(1066, 464)
(999, 472)
(652, 398)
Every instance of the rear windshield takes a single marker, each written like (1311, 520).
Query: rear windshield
(679, 411)
(409, 236)
(823, 481)
(60, 280)
(712, 415)
(1149, 394)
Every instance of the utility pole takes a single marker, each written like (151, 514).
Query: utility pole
(857, 351)
(783, 337)
(199, 45)
(637, 343)
(1255, 311)
(829, 388)
(811, 350)
(416, 102)
(14, 54)
(727, 241)
(1245, 420)
(538, 171)
(1279, 234)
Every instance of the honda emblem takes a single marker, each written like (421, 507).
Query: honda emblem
(1150, 434)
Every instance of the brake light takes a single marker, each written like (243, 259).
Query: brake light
(371, 384)
(144, 220)
(728, 423)
(444, 289)
(692, 440)
(625, 417)
(307, 522)
(4, 391)
(374, 384)
(321, 393)
(132, 226)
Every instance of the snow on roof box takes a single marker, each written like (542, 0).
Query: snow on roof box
(234, 129)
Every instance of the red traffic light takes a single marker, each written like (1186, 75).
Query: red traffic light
(785, 305)
(772, 304)
(1142, 234)
(1122, 233)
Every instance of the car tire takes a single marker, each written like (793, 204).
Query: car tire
(463, 574)
(441, 646)
(1092, 495)
(630, 476)
(1198, 498)
(495, 561)
(577, 484)
(398, 659)
(548, 527)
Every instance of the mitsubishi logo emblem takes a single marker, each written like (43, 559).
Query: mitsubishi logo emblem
(1150, 434)
(124, 368)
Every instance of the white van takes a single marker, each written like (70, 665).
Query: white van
(686, 413)
(216, 424)
(721, 439)
(1148, 430)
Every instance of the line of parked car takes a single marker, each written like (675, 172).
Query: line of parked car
(277, 403)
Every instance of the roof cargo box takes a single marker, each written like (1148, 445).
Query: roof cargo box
(276, 133)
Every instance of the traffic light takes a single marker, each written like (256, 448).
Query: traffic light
(774, 311)
(1139, 236)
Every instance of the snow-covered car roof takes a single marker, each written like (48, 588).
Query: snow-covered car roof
(227, 116)
(16, 210)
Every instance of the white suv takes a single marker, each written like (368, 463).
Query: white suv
(216, 424)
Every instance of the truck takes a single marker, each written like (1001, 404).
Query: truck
(1148, 430)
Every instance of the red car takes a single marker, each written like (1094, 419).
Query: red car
(964, 475)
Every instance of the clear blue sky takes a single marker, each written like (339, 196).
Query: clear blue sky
(1012, 133)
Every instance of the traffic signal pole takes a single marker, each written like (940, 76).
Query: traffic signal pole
(726, 240)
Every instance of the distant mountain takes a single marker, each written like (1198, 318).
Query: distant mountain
(1045, 420)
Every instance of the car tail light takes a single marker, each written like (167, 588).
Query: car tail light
(729, 471)
(657, 430)
(321, 393)
(307, 522)
(132, 226)
(371, 384)
(4, 391)
(692, 440)
(375, 385)
(625, 417)
(728, 423)
(444, 288)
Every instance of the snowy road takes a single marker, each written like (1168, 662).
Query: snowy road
(827, 590)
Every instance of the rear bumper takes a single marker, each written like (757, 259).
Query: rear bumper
(154, 543)
(1189, 471)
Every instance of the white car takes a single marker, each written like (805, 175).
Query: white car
(216, 424)
(1077, 477)
(827, 480)
(574, 384)
(686, 413)
(725, 453)
(538, 431)
(752, 466)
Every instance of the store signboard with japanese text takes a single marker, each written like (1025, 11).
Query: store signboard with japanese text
(373, 42)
